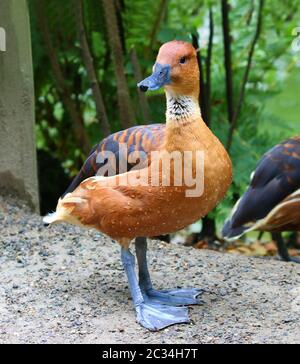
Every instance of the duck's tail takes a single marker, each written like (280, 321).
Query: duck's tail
(230, 232)
(64, 210)
(50, 218)
(233, 228)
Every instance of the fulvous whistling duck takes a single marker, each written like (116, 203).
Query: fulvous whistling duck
(272, 201)
(126, 211)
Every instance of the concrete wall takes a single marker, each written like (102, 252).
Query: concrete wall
(18, 170)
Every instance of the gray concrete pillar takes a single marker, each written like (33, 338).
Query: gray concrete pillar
(18, 167)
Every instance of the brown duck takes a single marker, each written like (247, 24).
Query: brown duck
(140, 203)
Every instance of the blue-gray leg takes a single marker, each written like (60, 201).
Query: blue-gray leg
(141, 254)
(174, 297)
(152, 316)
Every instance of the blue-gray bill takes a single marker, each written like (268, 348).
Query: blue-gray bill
(159, 78)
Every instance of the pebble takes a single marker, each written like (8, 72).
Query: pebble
(223, 292)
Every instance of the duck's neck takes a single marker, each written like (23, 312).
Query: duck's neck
(184, 125)
(181, 109)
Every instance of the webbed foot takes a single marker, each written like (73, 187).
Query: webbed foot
(154, 316)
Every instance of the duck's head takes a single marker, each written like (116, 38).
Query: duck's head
(176, 69)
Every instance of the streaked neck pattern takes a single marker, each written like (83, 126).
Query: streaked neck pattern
(182, 108)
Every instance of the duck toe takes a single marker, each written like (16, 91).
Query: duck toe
(155, 317)
(175, 297)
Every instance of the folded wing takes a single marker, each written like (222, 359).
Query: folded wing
(276, 178)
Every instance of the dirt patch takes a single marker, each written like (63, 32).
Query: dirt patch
(66, 285)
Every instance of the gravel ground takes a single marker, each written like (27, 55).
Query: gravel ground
(66, 285)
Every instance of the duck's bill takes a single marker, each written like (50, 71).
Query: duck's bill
(159, 78)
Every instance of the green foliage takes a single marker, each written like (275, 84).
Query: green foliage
(139, 18)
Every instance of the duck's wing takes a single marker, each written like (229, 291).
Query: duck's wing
(106, 157)
(277, 176)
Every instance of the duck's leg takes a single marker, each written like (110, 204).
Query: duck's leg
(173, 297)
(283, 250)
(152, 316)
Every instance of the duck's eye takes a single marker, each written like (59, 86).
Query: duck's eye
(182, 60)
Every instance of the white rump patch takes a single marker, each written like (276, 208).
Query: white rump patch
(50, 218)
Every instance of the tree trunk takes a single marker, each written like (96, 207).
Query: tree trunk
(202, 95)
(205, 77)
(120, 8)
(161, 10)
(124, 103)
(246, 76)
(227, 59)
(144, 106)
(208, 68)
(90, 68)
(60, 80)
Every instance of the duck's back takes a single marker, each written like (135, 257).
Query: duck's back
(141, 138)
